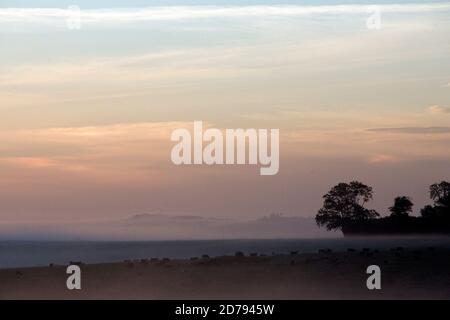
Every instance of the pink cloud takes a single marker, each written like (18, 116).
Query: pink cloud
(383, 158)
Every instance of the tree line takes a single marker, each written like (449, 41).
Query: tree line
(344, 208)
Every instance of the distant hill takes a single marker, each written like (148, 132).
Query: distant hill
(169, 226)
(193, 226)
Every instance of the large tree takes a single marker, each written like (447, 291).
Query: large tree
(344, 204)
(440, 193)
(402, 207)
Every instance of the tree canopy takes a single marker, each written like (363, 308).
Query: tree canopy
(402, 207)
(344, 209)
(440, 193)
(344, 204)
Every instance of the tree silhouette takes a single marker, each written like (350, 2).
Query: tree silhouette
(344, 204)
(440, 193)
(402, 207)
(428, 212)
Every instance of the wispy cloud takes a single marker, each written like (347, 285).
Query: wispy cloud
(412, 130)
(383, 159)
(199, 12)
(436, 109)
(41, 163)
(96, 149)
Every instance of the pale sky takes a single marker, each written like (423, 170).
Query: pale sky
(86, 115)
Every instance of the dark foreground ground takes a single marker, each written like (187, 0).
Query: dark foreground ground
(406, 274)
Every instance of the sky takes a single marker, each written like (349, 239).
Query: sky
(86, 114)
